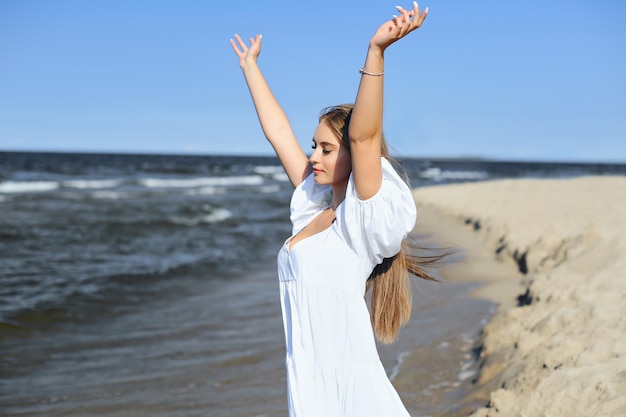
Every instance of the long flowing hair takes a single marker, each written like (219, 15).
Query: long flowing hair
(389, 283)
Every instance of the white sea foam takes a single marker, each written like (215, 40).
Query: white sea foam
(205, 191)
(277, 172)
(396, 369)
(269, 189)
(428, 391)
(466, 372)
(438, 174)
(468, 368)
(269, 170)
(15, 187)
(216, 216)
(281, 176)
(201, 182)
(85, 184)
(109, 195)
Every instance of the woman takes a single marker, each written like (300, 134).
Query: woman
(351, 213)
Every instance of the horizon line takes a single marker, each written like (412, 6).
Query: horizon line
(477, 158)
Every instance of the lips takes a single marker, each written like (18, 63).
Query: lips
(317, 171)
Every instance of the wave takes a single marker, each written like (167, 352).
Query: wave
(201, 182)
(118, 195)
(14, 187)
(438, 174)
(107, 195)
(399, 362)
(277, 172)
(204, 185)
(269, 169)
(469, 364)
(86, 184)
(17, 187)
(281, 176)
(205, 191)
(264, 189)
(216, 216)
(269, 189)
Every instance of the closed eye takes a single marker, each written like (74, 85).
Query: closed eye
(324, 150)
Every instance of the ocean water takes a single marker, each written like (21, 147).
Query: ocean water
(145, 285)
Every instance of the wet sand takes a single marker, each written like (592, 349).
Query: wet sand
(488, 278)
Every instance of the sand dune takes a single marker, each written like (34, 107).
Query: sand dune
(558, 346)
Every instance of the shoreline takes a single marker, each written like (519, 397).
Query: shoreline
(498, 282)
(550, 252)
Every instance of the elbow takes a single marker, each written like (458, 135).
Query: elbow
(358, 136)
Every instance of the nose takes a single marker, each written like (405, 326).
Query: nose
(314, 158)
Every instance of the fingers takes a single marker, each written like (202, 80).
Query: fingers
(256, 40)
(408, 21)
(244, 48)
(240, 47)
(235, 48)
(404, 21)
(242, 44)
(417, 17)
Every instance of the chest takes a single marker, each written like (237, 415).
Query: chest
(318, 224)
(324, 258)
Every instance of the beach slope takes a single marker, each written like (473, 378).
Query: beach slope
(559, 349)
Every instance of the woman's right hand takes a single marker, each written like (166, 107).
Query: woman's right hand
(398, 27)
(247, 55)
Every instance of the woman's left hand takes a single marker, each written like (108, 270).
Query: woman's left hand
(398, 27)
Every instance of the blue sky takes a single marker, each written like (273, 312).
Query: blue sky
(495, 79)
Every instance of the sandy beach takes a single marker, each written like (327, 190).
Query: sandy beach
(551, 253)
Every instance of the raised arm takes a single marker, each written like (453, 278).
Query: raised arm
(274, 122)
(366, 123)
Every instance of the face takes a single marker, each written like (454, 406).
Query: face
(330, 159)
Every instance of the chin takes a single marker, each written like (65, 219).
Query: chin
(320, 181)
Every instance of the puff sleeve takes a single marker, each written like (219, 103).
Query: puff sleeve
(375, 228)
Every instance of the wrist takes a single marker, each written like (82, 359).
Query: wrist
(374, 61)
(375, 49)
(248, 65)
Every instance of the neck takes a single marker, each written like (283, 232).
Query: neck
(339, 194)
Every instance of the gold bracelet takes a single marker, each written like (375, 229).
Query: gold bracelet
(362, 71)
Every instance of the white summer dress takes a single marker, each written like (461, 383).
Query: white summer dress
(333, 367)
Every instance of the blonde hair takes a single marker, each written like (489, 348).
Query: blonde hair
(390, 298)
